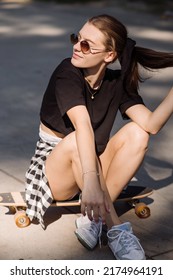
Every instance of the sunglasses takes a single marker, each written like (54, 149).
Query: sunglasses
(84, 45)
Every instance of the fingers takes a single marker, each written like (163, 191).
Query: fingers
(94, 212)
(83, 208)
(88, 210)
(102, 214)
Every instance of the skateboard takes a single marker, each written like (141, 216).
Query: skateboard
(132, 195)
(16, 203)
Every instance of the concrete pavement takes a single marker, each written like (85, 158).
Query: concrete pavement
(33, 40)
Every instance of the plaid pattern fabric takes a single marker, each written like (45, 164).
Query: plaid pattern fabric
(38, 194)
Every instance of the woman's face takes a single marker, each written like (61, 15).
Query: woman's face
(98, 53)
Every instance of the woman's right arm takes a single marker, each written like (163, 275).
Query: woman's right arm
(93, 196)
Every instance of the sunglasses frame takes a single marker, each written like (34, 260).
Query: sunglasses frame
(75, 39)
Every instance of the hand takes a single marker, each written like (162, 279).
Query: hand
(94, 202)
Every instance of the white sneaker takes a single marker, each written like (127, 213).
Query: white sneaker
(124, 244)
(88, 232)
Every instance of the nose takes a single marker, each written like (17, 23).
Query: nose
(77, 47)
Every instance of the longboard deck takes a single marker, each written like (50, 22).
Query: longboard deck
(18, 199)
(129, 193)
(134, 192)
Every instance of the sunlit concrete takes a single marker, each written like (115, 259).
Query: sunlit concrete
(34, 38)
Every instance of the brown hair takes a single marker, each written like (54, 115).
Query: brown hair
(116, 39)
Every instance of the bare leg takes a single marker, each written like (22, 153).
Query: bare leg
(120, 161)
(63, 169)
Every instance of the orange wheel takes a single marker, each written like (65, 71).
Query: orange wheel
(21, 219)
(142, 210)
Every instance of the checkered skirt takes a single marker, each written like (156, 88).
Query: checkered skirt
(38, 193)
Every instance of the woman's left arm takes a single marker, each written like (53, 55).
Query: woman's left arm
(152, 122)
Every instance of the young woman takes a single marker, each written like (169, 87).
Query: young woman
(75, 153)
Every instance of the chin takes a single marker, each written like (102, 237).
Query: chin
(76, 63)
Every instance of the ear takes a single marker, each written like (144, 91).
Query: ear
(110, 56)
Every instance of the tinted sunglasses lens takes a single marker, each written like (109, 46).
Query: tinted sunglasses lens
(84, 46)
(74, 39)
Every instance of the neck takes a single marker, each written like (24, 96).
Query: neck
(94, 79)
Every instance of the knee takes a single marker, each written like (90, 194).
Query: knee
(138, 137)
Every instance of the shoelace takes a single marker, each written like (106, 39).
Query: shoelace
(128, 239)
(94, 230)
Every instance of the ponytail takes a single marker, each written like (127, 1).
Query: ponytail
(150, 60)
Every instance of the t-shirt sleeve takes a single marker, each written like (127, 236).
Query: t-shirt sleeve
(69, 90)
(129, 100)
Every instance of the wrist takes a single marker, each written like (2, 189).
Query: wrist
(89, 172)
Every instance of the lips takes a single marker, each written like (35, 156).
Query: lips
(76, 56)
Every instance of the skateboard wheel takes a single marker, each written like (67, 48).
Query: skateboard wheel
(142, 210)
(21, 219)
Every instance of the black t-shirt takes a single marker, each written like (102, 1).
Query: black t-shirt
(67, 88)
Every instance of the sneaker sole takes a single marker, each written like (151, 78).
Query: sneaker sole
(84, 243)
